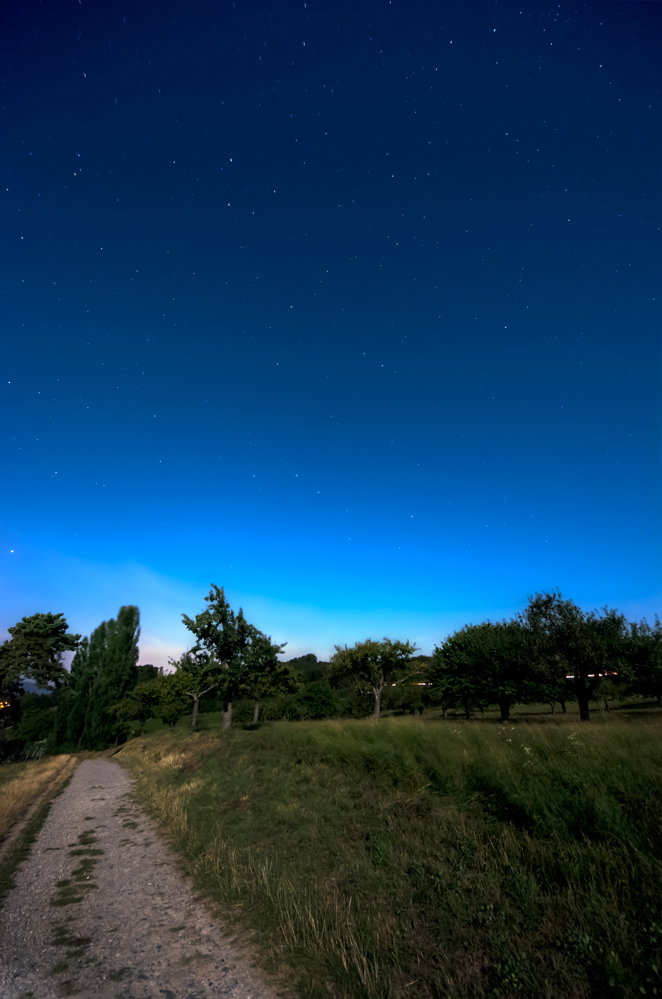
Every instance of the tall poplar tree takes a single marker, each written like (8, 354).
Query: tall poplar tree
(103, 672)
(72, 699)
(115, 675)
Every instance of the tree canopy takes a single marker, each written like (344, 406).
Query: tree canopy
(36, 648)
(229, 652)
(197, 674)
(485, 664)
(645, 658)
(103, 672)
(264, 673)
(370, 664)
(576, 647)
(34, 652)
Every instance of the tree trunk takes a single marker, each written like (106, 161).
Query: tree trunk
(584, 712)
(504, 708)
(194, 719)
(227, 715)
(562, 703)
(553, 706)
(467, 713)
(256, 713)
(377, 691)
(443, 711)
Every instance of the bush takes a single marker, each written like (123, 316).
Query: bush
(317, 700)
(36, 718)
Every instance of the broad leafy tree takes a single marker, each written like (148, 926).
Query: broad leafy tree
(171, 701)
(371, 665)
(576, 647)
(264, 673)
(222, 638)
(309, 667)
(34, 652)
(37, 716)
(146, 697)
(36, 649)
(645, 659)
(485, 664)
(198, 674)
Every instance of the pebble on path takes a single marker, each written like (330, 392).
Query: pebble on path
(100, 909)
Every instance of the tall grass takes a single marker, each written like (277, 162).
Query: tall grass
(423, 860)
(21, 784)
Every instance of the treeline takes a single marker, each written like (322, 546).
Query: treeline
(99, 700)
(552, 652)
(80, 711)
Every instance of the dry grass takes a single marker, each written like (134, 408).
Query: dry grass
(21, 789)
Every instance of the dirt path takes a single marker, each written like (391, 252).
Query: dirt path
(99, 908)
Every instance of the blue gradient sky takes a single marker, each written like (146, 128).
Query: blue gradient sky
(353, 309)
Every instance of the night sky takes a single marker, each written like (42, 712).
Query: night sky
(350, 308)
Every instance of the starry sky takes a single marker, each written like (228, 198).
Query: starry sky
(350, 308)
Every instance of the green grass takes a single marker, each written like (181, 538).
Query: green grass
(421, 859)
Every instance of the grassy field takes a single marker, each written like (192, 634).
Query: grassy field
(542, 713)
(426, 859)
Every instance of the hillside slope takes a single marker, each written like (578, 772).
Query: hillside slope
(434, 859)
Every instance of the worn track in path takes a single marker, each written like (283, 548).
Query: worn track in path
(99, 908)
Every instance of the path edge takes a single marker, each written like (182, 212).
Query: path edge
(16, 845)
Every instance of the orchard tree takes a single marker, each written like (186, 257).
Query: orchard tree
(146, 697)
(168, 697)
(645, 658)
(576, 647)
(222, 638)
(485, 664)
(264, 673)
(371, 665)
(197, 674)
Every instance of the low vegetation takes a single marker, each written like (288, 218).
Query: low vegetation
(413, 858)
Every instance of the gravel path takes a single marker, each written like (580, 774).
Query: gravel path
(99, 908)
